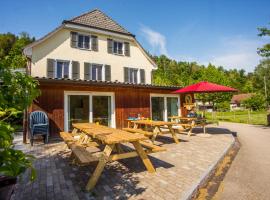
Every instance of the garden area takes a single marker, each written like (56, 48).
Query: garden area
(245, 116)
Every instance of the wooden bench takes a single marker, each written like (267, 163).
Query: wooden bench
(68, 138)
(82, 156)
(136, 130)
(153, 148)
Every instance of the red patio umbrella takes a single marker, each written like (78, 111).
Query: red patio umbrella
(205, 87)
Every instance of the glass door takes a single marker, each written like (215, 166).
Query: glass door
(172, 107)
(101, 108)
(78, 109)
(157, 108)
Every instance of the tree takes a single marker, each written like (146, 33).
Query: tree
(265, 50)
(261, 71)
(255, 102)
(17, 91)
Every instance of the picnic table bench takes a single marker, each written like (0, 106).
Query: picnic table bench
(188, 123)
(156, 127)
(112, 139)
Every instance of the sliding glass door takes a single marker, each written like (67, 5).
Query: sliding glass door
(93, 107)
(102, 110)
(164, 106)
(157, 108)
(78, 109)
(172, 107)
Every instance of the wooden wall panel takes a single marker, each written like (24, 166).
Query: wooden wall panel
(128, 102)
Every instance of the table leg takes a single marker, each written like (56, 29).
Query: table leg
(101, 164)
(155, 131)
(147, 163)
(173, 134)
(135, 125)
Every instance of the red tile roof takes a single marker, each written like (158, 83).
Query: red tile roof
(240, 97)
(98, 19)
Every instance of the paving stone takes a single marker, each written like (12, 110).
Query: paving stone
(177, 169)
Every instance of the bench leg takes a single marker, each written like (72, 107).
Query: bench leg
(101, 164)
(155, 131)
(190, 131)
(147, 163)
(173, 134)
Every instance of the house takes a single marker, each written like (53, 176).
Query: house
(236, 101)
(91, 69)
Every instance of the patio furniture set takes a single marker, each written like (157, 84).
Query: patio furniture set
(86, 138)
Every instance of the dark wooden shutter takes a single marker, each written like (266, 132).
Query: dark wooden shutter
(107, 72)
(50, 68)
(73, 39)
(94, 43)
(142, 75)
(87, 71)
(126, 74)
(127, 49)
(75, 70)
(110, 45)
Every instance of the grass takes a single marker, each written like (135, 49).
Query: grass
(254, 117)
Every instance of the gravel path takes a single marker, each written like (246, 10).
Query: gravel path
(249, 175)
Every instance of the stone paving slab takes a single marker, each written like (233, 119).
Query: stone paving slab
(177, 170)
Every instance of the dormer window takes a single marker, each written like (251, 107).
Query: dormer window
(83, 41)
(118, 47)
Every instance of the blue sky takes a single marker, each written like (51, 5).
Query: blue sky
(221, 32)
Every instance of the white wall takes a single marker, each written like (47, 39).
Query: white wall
(58, 47)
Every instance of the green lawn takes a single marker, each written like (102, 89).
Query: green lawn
(255, 117)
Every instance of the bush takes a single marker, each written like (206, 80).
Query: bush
(255, 102)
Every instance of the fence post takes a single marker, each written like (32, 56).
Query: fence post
(248, 116)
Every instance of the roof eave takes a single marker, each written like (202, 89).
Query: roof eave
(102, 29)
(102, 83)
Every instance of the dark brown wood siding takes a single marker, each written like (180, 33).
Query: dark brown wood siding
(129, 101)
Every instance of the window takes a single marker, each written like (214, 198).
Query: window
(118, 48)
(130, 75)
(97, 72)
(83, 41)
(164, 106)
(62, 69)
(133, 75)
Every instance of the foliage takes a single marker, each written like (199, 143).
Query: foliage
(261, 72)
(17, 91)
(223, 106)
(255, 102)
(265, 50)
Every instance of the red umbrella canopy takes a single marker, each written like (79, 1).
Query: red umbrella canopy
(205, 87)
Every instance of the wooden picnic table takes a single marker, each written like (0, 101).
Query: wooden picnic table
(189, 123)
(112, 138)
(157, 125)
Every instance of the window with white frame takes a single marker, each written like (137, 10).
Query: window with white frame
(96, 72)
(164, 106)
(83, 41)
(118, 47)
(62, 69)
(131, 75)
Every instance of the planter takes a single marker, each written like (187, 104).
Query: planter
(6, 187)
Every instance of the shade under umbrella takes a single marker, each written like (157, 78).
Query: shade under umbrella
(205, 87)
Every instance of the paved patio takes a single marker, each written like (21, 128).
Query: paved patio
(179, 169)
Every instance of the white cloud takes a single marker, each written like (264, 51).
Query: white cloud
(155, 39)
(237, 52)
